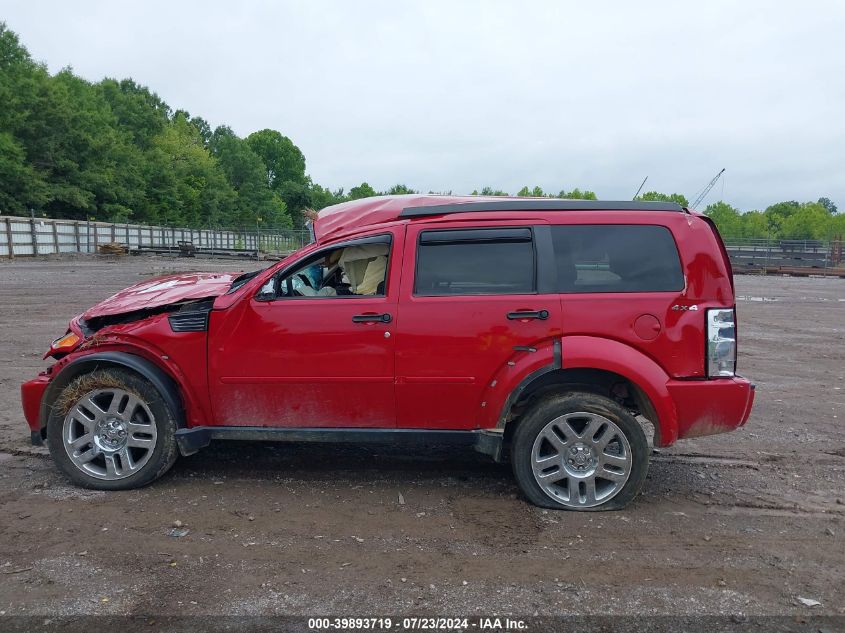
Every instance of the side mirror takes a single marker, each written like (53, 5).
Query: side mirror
(268, 291)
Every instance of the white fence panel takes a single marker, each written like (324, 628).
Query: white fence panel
(45, 236)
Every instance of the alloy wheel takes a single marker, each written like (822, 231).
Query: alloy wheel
(581, 460)
(109, 433)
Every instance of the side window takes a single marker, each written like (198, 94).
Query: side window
(351, 270)
(616, 258)
(475, 262)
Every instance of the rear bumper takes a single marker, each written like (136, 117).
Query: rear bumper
(708, 407)
(31, 394)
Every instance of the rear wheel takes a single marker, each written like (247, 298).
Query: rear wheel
(111, 430)
(580, 451)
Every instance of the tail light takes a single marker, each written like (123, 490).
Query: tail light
(721, 343)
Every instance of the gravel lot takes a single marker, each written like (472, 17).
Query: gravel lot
(745, 523)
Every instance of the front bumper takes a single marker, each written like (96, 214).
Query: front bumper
(32, 393)
(708, 407)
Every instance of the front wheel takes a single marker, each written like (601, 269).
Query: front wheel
(111, 430)
(579, 451)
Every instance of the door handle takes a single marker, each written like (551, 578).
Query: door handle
(372, 318)
(528, 314)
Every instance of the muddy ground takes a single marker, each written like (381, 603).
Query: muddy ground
(744, 523)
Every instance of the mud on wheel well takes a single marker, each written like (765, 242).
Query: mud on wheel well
(162, 382)
(598, 381)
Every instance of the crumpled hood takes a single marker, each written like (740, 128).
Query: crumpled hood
(162, 291)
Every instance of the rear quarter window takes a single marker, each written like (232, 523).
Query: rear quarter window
(616, 258)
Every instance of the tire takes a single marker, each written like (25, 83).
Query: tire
(567, 441)
(111, 430)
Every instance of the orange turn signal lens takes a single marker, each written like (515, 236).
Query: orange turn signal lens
(68, 341)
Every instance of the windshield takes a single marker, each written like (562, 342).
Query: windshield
(240, 280)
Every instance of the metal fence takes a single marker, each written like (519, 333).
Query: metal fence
(762, 254)
(43, 236)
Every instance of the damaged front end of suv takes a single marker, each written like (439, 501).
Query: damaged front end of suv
(131, 329)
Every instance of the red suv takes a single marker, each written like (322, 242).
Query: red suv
(546, 332)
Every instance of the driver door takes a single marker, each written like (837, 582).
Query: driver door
(304, 354)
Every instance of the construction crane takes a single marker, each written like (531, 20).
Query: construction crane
(706, 190)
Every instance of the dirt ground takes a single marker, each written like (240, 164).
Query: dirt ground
(745, 523)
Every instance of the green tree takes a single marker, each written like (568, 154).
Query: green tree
(754, 225)
(811, 221)
(726, 217)
(777, 214)
(828, 204)
(23, 86)
(91, 164)
(656, 196)
(837, 227)
(297, 197)
(187, 184)
(400, 190)
(247, 175)
(362, 191)
(577, 194)
(283, 161)
(322, 197)
(525, 192)
(138, 112)
(21, 187)
(23, 82)
(203, 128)
(489, 191)
(64, 150)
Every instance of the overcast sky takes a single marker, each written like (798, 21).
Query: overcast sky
(457, 95)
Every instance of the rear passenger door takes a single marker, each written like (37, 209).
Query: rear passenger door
(468, 298)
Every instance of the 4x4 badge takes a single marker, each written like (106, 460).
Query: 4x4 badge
(678, 307)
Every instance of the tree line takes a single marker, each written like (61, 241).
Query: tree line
(115, 151)
(791, 220)
(818, 220)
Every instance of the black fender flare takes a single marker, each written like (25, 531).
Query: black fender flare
(162, 382)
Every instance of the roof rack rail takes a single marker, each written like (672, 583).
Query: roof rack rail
(537, 205)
